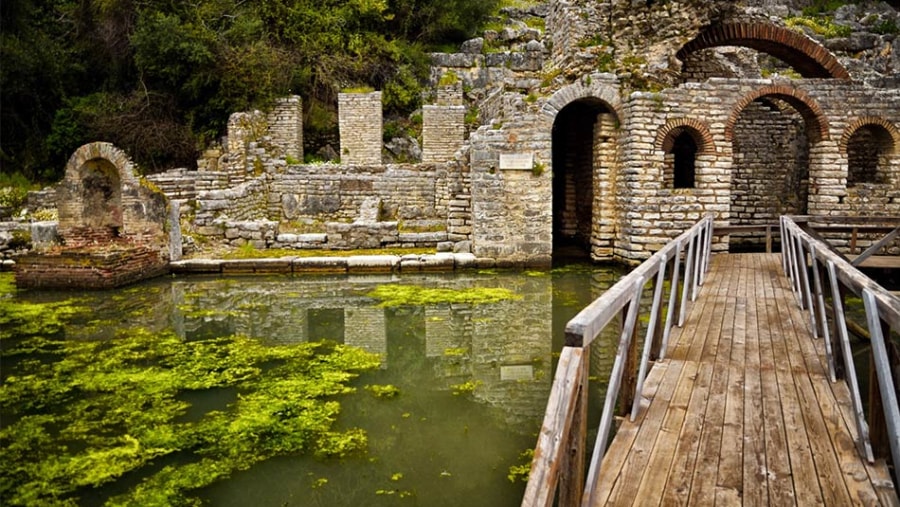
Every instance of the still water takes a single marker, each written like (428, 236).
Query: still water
(473, 380)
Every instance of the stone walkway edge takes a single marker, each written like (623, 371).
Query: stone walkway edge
(349, 264)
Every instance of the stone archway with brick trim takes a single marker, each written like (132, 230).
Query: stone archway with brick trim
(816, 121)
(101, 199)
(865, 122)
(870, 147)
(584, 120)
(775, 133)
(802, 53)
(697, 129)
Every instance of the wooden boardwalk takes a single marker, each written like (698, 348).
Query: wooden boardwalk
(741, 411)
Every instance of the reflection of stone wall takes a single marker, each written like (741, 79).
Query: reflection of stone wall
(366, 328)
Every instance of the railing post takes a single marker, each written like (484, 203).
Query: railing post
(571, 480)
(822, 321)
(686, 286)
(673, 302)
(648, 340)
(612, 389)
(886, 427)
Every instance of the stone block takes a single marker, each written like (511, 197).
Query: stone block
(319, 264)
(372, 263)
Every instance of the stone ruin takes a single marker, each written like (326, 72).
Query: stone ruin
(611, 127)
(112, 226)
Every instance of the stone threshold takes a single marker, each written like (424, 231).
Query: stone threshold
(349, 264)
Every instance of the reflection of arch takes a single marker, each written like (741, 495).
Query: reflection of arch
(869, 143)
(817, 124)
(805, 55)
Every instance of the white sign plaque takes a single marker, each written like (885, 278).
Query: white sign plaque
(517, 372)
(516, 161)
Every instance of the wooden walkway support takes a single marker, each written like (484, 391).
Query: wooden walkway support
(743, 404)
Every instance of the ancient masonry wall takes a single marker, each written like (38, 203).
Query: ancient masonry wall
(330, 192)
(653, 213)
(511, 201)
(443, 132)
(771, 164)
(360, 119)
(285, 126)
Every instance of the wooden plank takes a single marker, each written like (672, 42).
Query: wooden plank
(730, 479)
(681, 474)
(808, 369)
(755, 476)
(778, 470)
(718, 352)
(653, 481)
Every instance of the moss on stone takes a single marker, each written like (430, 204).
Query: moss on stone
(412, 295)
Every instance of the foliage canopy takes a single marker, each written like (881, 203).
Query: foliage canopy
(159, 78)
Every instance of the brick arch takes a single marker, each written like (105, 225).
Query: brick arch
(608, 95)
(697, 129)
(802, 53)
(102, 151)
(866, 121)
(809, 109)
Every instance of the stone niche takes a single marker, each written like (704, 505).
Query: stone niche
(112, 225)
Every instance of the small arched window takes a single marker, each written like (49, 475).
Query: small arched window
(868, 152)
(684, 153)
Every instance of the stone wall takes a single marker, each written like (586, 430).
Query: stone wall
(335, 193)
(360, 119)
(101, 199)
(443, 132)
(285, 126)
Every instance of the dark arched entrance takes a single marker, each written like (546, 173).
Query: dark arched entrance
(584, 155)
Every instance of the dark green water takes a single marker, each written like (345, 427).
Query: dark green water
(473, 379)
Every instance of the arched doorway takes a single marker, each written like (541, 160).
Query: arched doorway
(772, 132)
(584, 157)
(101, 196)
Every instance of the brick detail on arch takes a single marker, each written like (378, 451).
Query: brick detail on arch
(666, 135)
(804, 54)
(100, 150)
(809, 109)
(867, 121)
(576, 91)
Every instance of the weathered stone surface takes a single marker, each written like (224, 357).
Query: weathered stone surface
(372, 263)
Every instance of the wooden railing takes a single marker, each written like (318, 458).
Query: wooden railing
(817, 273)
(559, 455)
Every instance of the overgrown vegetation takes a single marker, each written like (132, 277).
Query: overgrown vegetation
(824, 26)
(159, 79)
(414, 295)
(79, 415)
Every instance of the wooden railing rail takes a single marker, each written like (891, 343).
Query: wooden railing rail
(559, 455)
(810, 264)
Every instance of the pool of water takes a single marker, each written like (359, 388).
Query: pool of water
(473, 379)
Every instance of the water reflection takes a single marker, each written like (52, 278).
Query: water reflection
(474, 379)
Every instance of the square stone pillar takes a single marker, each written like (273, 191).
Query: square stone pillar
(360, 118)
(443, 132)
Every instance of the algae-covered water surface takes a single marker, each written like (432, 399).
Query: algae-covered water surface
(325, 390)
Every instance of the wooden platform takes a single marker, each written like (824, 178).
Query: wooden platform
(741, 411)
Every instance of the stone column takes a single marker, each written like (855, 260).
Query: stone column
(443, 132)
(286, 126)
(360, 117)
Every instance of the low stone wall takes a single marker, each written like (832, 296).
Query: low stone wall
(335, 193)
(88, 269)
(245, 202)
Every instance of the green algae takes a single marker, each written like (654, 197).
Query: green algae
(412, 295)
(100, 411)
(22, 318)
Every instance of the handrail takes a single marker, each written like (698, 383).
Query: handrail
(808, 257)
(559, 454)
